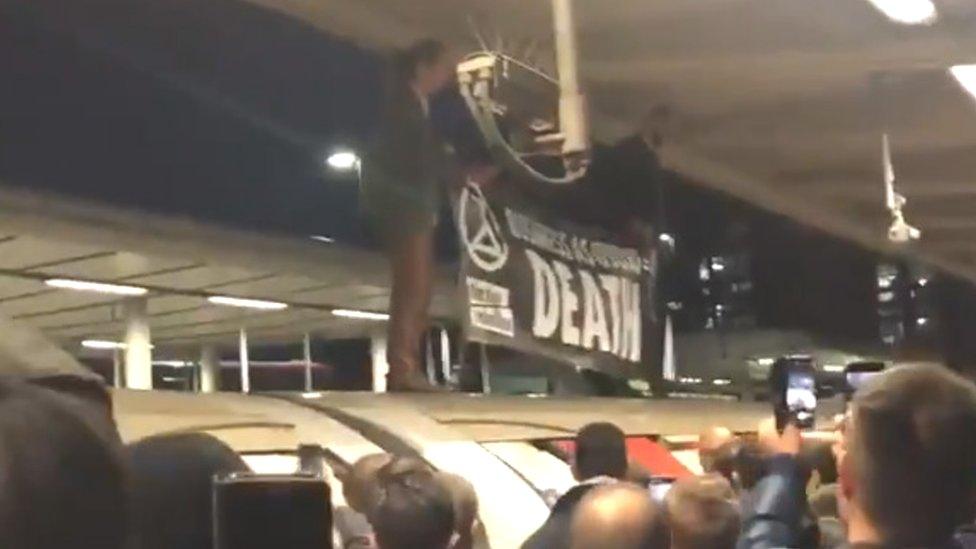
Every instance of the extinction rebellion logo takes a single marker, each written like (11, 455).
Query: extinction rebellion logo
(482, 234)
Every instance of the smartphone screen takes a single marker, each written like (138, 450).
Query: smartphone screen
(272, 512)
(659, 488)
(801, 397)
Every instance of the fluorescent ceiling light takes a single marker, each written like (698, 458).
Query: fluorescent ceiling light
(247, 303)
(721, 382)
(323, 239)
(102, 344)
(99, 287)
(908, 12)
(966, 76)
(343, 161)
(834, 368)
(360, 315)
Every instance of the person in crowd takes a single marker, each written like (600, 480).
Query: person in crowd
(600, 458)
(62, 483)
(465, 508)
(711, 442)
(702, 513)
(402, 178)
(906, 466)
(620, 515)
(414, 510)
(360, 486)
(171, 487)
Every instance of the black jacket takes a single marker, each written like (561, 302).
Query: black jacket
(554, 533)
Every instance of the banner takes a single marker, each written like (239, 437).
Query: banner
(541, 284)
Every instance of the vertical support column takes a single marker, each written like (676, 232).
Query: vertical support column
(572, 103)
(118, 370)
(245, 363)
(209, 369)
(446, 356)
(307, 347)
(485, 369)
(377, 350)
(138, 345)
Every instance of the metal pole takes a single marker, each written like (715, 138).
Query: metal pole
(245, 363)
(118, 373)
(446, 355)
(380, 366)
(209, 369)
(485, 370)
(572, 103)
(308, 362)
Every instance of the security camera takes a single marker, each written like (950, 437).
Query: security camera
(901, 232)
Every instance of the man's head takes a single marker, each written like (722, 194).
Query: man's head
(360, 487)
(711, 442)
(702, 513)
(61, 482)
(909, 467)
(163, 517)
(601, 450)
(414, 510)
(621, 516)
(426, 66)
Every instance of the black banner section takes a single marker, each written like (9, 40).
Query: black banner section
(543, 285)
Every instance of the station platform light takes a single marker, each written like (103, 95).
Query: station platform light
(360, 315)
(244, 303)
(97, 287)
(908, 12)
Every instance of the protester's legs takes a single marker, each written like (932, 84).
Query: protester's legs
(412, 265)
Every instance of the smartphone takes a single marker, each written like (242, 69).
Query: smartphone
(272, 512)
(794, 389)
(858, 374)
(659, 488)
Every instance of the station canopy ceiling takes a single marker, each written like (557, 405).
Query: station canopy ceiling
(182, 264)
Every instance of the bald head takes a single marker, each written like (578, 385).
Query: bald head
(710, 443)
(361, 485)
(616, 515)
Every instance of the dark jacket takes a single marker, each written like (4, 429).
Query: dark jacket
(777, 521)
(554, 533)
(403, 167)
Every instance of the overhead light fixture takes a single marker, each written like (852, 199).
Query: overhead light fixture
(360, 315)
(98, 287)
(908, 12)
(343, 161)
(244, 303)
(966, 76)
(322, 239)
(834, 368)
(766, 362)
(721, 382)
(103, 345)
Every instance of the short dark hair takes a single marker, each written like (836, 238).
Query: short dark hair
(701, 513)
(913, 446)
(164, 516)
(414, 509)
(601, 450)
(62, 482)
(407, 61)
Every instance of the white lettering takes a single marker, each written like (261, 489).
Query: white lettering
(545, 319)
(611, 284)
(570, 304)
(630, 311)
(594, 315)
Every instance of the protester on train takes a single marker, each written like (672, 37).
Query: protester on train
(906, 466)
(600, 458)
(402, 185)
(702, 513)
(619, 515)
(171, 486)
(361, 491)
(62, 484)
(414, 510)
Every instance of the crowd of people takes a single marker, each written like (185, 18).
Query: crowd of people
(900, 473)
